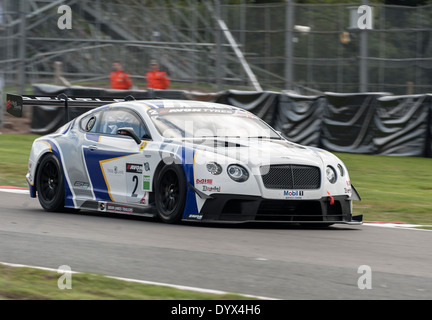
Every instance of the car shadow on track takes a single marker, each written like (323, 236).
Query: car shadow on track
(274, 225)
(218, 225)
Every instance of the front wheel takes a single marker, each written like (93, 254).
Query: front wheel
(170, 193)
(50, 184)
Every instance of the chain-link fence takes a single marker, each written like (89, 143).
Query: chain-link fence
(216, 45)
(398, 55)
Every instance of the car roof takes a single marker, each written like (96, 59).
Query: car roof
(167, 103)
(145, 105)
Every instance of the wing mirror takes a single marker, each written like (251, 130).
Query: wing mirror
(130, 133)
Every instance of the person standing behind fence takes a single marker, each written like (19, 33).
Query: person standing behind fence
(119, 79)
(157, 79)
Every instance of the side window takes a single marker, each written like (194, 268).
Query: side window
(114, 119)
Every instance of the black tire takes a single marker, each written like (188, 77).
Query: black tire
(170, 193)
(50, 184)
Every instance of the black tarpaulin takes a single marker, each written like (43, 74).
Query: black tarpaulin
(299, 118)
(402, 124)
(262, 104)
(428, 152)
(348, 124)
(370, 123)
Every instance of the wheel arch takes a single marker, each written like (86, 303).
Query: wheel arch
(164, 162)
(54, 149)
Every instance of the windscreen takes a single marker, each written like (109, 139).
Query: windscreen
(201, 123)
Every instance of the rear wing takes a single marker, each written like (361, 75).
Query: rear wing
(15, 103)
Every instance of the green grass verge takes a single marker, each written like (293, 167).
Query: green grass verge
(391, 188)
(14, 155)
(18, 283)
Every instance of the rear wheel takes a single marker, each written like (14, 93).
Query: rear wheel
(50, 184)
(170, 193)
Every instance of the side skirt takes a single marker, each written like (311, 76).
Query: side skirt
(121, 208)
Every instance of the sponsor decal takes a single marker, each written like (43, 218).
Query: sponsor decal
(211, 189)
(205, 110)
(204, 181)
(119, 209)
(13, 108)
(81, 184)
(134, 168)
(297, 194)
(146, 166)
(347, 190)
(146, 182)
(195, 216)
(115, 170)
(154, 112)
(242, 113)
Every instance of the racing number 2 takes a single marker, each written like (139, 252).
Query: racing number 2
(136, 180)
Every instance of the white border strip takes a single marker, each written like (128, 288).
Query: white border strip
(405, 226)
(180, 287)
(14, 190)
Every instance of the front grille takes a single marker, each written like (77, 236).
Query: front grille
(291, 176)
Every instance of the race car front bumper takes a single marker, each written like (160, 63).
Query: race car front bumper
(244, 208)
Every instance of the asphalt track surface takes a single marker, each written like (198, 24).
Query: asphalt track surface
(276, 261)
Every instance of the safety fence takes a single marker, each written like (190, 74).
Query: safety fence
(287, 44)
(364, 123)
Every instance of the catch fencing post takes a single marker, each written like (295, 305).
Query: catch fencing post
(289, 32)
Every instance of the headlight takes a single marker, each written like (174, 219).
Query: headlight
(341, 170)
(237, 173)
(214, 168)
(331, 174)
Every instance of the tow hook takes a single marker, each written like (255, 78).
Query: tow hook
(331, 199)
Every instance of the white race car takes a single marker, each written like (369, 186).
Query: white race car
(186, 160)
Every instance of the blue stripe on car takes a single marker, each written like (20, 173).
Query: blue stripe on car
(92, 137)
(68, 193)
(187, 155)
(92, 159)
